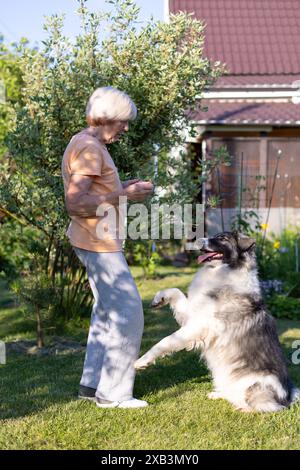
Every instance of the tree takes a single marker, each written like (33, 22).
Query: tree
(11, 84)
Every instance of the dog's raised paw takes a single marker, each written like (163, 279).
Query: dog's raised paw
(159, 300)
(159, 304)
(141, 363)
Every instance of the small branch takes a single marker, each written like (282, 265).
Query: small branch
(6, 212)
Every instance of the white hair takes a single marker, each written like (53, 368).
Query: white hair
(110, 104)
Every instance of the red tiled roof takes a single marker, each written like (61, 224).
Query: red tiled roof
(250, 36)
(248, 113)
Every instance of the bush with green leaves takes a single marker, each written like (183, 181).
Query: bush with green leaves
(282, 306)
(142, 254)
(160, 65)
(292, 284)
(10, 86)
(276, 261)
(276, 253)
(17, 243)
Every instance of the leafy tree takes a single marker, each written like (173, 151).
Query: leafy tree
(11, 84)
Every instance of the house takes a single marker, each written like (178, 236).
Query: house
(254, 110)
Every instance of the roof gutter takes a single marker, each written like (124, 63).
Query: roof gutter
(292, 95)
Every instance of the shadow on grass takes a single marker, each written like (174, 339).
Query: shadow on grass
(177, 369)
(32, 384)
(183, 367)
(29, 384)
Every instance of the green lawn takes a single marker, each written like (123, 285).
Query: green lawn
(39, 409)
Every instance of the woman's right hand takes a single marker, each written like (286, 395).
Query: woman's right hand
(139, 191)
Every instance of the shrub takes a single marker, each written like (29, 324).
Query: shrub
(276, 254)
(282, 306)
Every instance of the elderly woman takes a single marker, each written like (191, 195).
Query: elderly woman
(91, 181)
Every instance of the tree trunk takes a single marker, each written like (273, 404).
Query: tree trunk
(40, 335)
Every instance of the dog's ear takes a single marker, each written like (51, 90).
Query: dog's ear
(246, 243)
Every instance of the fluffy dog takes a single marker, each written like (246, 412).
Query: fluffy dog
(224, 315)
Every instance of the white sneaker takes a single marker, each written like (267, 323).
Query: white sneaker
(132, 403)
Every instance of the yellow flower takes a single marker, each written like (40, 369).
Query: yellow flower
(264, 226)
(276, 245)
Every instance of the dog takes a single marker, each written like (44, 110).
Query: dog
(225, 317)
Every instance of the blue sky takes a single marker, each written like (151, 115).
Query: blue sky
(25, 17)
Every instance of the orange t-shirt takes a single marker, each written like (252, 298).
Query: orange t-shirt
(86, 155)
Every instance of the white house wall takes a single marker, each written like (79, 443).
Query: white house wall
(279, 219)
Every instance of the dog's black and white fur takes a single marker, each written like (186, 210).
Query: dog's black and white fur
(224, 315)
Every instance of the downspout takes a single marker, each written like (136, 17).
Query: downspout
(203, 189)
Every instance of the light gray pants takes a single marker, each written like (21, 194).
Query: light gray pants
(116, 329)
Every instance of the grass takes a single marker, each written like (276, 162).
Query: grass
(39, 409)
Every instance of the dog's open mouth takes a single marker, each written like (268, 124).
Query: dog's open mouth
(209, 256)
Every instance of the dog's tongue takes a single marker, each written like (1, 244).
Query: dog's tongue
(204, 257)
